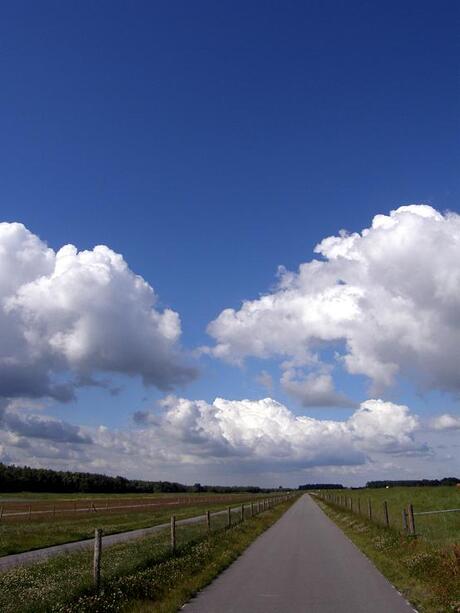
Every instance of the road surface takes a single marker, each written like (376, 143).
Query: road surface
(302, 564)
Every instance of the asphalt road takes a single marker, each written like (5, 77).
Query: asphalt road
(302, 564)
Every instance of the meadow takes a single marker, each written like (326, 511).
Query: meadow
(137, 575)
(439, 528)
(53, 519)
(425, 568)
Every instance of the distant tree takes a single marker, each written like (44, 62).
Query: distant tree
(321, 486)
(26, 479)
(414, 482)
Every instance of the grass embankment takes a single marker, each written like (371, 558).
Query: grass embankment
(138, 576)
(440, 529)
(19, 536)
(425, 572)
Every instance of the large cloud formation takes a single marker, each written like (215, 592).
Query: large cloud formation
(267, 430)
(240, 435)
(387, 299)
(67, 316)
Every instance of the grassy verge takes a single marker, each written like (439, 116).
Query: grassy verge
(439, 529)
(427, 574)
(25, 536)
(135, 576)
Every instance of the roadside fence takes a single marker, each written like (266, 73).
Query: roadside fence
(43, 509)
(193, 529)
(406, 520)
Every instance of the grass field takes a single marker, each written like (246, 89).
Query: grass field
(52, 496)
(139, 576)
(425, 569)
(24, 534)
(442, 528)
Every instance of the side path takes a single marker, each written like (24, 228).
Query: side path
(303, 563)
(37, 555)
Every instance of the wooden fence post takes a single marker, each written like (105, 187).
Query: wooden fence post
(173, 533)
(404, 521)
(369, 509)
(242, 512)
(410, 512)
(351, 504)
(229, 517)
(208, 520)
(97, 558)
(385, 514)
(1, 513)
(359, 506)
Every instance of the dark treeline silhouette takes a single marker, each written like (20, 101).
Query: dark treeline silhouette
(414, 482)
(321, 486)
(26, 479)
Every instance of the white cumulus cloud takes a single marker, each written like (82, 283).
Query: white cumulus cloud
(387, 297)
(187, 439)
(316, 389)
(266, 431)
(446, 422)
(67, 316)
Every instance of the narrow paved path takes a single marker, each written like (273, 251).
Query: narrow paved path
(302, 564)
(38, 555)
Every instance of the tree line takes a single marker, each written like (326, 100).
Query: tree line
(386, 483)
(26, 479)
(321, 486)
(414, 482)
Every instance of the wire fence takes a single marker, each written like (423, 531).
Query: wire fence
(435, 525)
(51, 582)
(42, 509)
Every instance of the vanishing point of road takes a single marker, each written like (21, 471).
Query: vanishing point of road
(302, 564)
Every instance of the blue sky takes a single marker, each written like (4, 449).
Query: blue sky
(209, 143)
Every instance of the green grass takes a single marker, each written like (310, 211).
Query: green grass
(55, 497)
(136, 575)
(440, 529)
(16, 537)
(27, 496)
(426, 572)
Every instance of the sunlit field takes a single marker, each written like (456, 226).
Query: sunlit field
(439, 528)
(135, 573)
(32, 521)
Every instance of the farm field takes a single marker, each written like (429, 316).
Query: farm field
(141, 571)
(439, 529)
(53, 519)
